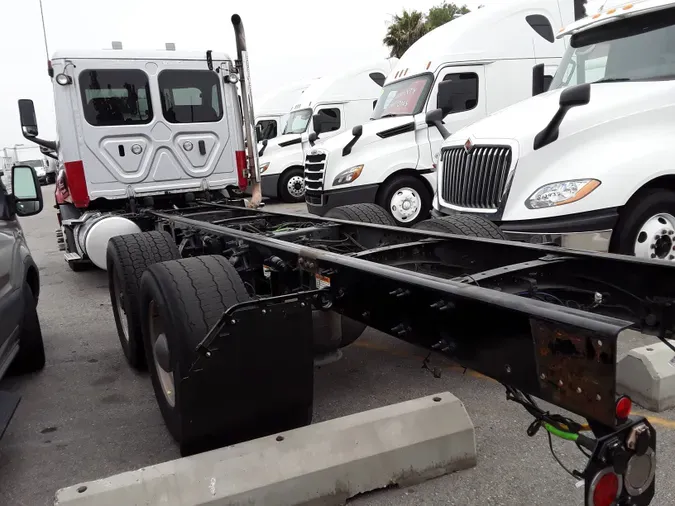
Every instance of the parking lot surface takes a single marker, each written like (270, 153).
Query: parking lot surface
(87, 415)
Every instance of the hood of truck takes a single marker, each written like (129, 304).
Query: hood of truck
(370, 131)
(621, 138)
(273, 145)
(521, 122)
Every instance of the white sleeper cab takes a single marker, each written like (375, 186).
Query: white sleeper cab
(273, 109)
(150, 128)
(332, 104)
(588, 164)
(464, 71)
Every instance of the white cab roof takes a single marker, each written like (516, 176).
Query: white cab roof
(135, 54)
(280, 101)
(614, 10)
(484, 35)
(346, 85)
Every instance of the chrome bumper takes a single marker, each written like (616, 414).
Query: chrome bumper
(596, 240)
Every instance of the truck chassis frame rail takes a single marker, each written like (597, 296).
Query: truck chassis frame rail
(541, 320)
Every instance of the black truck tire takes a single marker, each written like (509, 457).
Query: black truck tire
(31, 356)
(391, 192)
(184, 299)
(362, 213)
(128, 256)
(462, 224)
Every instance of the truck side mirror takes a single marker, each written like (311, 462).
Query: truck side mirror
(538, 80)
(320, 124)
(435, 118)
(28, 119)
(26, 190)
(575, 96)
(444, 97)
(258, 132)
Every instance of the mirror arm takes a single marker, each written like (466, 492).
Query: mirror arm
(50, 145)
(441, 129)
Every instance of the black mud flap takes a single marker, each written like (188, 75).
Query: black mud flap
(8, 404)
(253, 379)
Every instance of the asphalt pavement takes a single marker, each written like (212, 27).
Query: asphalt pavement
(87, 415)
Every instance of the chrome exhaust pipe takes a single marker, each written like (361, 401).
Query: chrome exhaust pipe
(247, 105)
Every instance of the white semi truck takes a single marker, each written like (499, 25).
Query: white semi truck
(468, 68)
(588, 163)
(273, 109)
(332, 104)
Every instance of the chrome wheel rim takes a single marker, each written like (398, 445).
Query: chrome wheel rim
(158, 338)
(296, 186)
(405, 204)
(656, 238)
(119, 309)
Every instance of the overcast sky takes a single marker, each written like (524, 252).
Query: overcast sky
(291, 40)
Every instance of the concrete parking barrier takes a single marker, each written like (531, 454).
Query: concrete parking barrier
(321, 464)
(647, 376)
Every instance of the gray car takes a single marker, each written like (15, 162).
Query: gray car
(21, 348)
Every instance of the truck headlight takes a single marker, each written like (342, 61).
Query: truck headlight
(564, 192)
(348, 176)
(264, 167)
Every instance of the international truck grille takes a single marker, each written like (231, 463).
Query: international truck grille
(475, 179)
(314, 169)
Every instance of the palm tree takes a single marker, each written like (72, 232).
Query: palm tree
(404, 31)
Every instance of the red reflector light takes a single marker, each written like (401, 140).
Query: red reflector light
(606, 490)
(623, 407)
(77, 184)
(241, 169)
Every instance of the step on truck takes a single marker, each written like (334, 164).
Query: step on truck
(455, 75)
(585, 164)
(228, 307)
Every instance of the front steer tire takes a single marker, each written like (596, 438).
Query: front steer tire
(462, 224)
(362, 213)
(187, 297)
(128, 256)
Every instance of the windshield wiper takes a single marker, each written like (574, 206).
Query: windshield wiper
(613, 80)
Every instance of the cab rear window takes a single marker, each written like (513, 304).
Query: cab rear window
(190, 96)
(115, 97)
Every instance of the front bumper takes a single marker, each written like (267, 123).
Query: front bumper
(590, 231)
(320, 202)
(269, 185)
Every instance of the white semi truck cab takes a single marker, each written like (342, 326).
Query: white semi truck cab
(468, 68)
(154, 129)
(588, 164)
(332, 104)
(273, 109)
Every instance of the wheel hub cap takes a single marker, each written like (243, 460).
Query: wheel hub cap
(405, 205)
(656, 238)
(161, 355)
(296, 186)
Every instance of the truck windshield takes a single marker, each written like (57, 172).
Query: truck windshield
(640, 48)
(298, 121)
(402, 98)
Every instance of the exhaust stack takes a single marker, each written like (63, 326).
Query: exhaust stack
(247, 105)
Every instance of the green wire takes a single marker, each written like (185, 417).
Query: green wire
(569, 436)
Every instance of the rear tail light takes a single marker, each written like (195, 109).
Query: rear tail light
(605, 488)
(77, 184)
(241, 170)
(623, 408)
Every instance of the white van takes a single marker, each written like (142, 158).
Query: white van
(272, 110)
(588, 164)
(335, 103)
(137, 128)
(468, 68)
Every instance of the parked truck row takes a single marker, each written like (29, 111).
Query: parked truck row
(157, 149)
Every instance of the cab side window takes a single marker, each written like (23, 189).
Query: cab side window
(331, 118)
(115, 97)
(463, 93)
